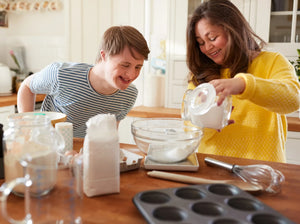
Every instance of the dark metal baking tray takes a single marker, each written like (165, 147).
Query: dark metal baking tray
(206, 203)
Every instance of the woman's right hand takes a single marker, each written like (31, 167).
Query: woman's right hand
(227, 87)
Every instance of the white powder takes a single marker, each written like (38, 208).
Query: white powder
(200, 107)
(42, 166)
(170, 153)
(216, 117)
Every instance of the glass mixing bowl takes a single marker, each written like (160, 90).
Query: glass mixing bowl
(166, 140)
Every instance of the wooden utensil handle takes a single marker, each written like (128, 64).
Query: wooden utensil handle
(183, 178)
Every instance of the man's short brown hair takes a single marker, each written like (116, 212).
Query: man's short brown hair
(116, 38)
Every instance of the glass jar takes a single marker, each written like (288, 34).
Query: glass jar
(200, 107)
(32, 147)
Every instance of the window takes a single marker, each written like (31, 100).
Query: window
(285, 21)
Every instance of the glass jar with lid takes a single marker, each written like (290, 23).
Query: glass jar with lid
(32, 146)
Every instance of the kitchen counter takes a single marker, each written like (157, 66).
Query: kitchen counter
(149, 112)
(119, 208)
(144, 112)
(12, 99)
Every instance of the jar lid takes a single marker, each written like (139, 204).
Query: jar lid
(202, 98)
(28, 119)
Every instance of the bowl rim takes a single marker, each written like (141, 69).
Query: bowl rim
(53, 115)
(192, 129)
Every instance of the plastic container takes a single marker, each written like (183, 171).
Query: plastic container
(200, 107)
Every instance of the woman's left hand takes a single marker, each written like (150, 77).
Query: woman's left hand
(227, 87)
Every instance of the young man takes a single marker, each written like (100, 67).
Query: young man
(82, 90)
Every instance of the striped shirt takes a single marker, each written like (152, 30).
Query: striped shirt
(69, 91)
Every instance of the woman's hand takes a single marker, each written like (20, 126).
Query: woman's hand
(227, 87)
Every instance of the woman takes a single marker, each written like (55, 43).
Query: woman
(224, 51)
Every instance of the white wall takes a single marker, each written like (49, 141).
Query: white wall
(42, 34)
(72, 34)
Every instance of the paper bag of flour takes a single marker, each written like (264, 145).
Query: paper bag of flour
(101, 155)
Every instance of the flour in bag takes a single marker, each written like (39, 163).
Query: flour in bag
(101, 156)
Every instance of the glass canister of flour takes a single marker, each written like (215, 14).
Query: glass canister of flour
(31, 147)
(200, 107)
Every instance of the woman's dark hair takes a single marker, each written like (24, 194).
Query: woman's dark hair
(242, 41)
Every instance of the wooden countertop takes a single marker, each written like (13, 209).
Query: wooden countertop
(148, 112)
(145, 112)
(119, 208)
(12, 99)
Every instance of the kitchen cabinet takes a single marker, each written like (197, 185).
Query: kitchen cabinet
(292, 147)
(88, 20)
(177, 71)
(278, 23)
(284, 21)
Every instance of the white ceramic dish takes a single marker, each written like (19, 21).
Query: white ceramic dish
(132, 162)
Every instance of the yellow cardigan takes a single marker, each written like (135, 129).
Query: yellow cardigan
(260, 128)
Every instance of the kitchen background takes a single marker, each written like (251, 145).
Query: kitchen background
(73, 29)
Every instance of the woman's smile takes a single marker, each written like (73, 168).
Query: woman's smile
(212, 40)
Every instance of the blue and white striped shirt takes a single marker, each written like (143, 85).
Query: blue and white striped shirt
(70, 92)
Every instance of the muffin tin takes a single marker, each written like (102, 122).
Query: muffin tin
(206, 203)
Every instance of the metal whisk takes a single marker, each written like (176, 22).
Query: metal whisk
(264, 176)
